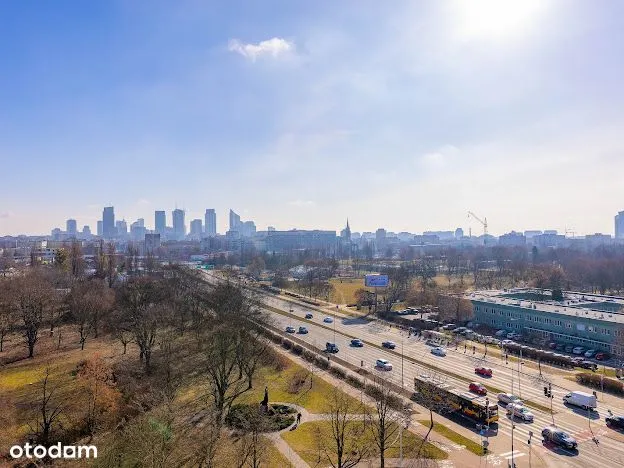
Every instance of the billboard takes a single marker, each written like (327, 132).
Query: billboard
(376, 281)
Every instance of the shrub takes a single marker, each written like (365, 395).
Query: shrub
(297, 349)
(354, 381)
(594, 381)
(286, 344)
(297, 381)
(309, 355)
(321, 362)
(338, 372)
(280, 362)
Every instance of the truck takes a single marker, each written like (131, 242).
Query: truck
(581, 399)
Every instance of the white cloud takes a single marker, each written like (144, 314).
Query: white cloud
(302, 203)
(274, 47)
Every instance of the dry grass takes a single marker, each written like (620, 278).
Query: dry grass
(344, 290)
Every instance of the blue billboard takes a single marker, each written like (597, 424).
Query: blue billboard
(376, 281)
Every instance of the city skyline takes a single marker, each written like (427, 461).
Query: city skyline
(415, 112)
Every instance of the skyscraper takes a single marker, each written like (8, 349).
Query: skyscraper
(196, 229)
(235, 221)
(160, 222)
(72, 227)
(122, 227)
(619, 225)
(100, 228)
(210, 222)
(179, 229)
(108, 222)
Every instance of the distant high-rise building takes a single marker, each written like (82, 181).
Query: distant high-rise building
(247, 228)
(380, 238)
(108, 222)
(160, 222)
(179, 228)
(86, 232)
(122, 227)
(271, 229)
(459, 233)
(235, 221)
(345, 234)
(152, 242)
(196, 229)
(140, 222)
(71, 227)
(210, 222)
(100, 228)
(619, 225)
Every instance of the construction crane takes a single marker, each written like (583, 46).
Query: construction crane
(483, 222)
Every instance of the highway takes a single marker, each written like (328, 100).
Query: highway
(457, 369)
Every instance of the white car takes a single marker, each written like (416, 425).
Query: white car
(519, 411)
(383, 364)
(328, 320)
(508, 398)
(438, 351)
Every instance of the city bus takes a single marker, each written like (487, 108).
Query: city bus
(446, 398)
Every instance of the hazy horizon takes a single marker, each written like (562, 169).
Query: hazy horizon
(402, 116)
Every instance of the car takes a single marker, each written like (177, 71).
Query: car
(507, 398)
(588, 365)
(290, 329)
(357, 343)
(560, 347)
(590, 353)
(484, 371)
(559, 437)
(519, 411)
(578, 350)
(309, 316)
(506, 342)
(459, 329)
(328, 320)
(602, 356)
(383, 364)
(389, 344)
(615, 422)
(448, 326)
(303, 330)
(331, 347)
(552, 345)
(500, 333)
(438, 351)
(510, 335)
(568, 349)
(477, 388)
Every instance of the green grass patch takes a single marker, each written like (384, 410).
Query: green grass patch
(281, 388)
(312, 441)
(453, 436)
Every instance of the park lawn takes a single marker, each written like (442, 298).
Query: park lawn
(304, 440)
(453, 436)
(344, 290)
(278, 382)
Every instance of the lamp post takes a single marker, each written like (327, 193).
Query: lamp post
(402, 383)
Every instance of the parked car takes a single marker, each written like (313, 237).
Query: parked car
(590, 353)
(459, 329)
(448, 326)
(588, 365)
(506, 342)
(568, 349)
(290, 329)
(552, 345)
(303, 330)
(309, 316)
(389, 344)
(383, 364)
(500, 333)
(510, 335)
(507, 398)
(331, 347)
(477, 388)
(438, 351)
(578, 350)
(357, 343)
(519, 411)
(559, 437)
(577, 360)
(484, 371)
(615, 422)
(602, 356)
(560, 347)
(328, 320)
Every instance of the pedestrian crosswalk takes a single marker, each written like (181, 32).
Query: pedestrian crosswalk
(509, 455)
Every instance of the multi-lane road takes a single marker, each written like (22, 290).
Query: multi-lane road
(598, 445)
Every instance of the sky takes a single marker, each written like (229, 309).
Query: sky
(402, 114)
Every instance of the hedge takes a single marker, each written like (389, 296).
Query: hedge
(593, 380)
(338, 372)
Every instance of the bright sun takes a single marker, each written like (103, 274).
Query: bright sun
(489, 18)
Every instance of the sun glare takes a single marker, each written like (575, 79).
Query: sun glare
(488, 18)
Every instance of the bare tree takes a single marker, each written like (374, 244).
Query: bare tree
(7, 318)
(252, 446)
(387, 418)
(49, 410)
(88, 302)
(343, 444)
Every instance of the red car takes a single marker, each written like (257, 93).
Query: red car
(484, 371)
(477, 388)
(601, 356)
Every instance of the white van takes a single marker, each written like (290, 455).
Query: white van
(582, 399)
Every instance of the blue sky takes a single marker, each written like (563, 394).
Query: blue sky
(402, 114)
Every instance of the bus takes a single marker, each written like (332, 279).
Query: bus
(447, 398)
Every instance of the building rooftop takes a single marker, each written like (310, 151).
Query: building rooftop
(574, 304)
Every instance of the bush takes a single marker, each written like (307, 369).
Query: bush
(297, 381)
(594, 381)
(338, 372)
(354, 381)
(297, 349)
(309, 355)
(321, 362)
(286, 344)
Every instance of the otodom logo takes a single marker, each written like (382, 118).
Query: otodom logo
(53, 451)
